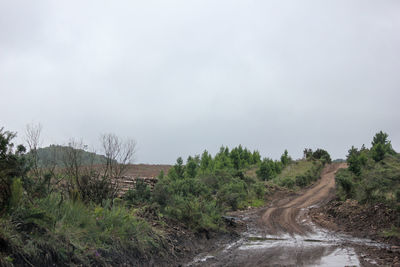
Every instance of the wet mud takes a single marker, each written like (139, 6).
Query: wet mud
(283, 234)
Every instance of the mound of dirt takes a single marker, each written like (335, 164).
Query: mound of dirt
(364, 221)
(358, 220)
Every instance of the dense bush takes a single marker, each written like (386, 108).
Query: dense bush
(345, 184)
(13, 165)
(357, 159)
(199, 192)
(319, 154)
(139, 195)
(268, 169)
(373, 174)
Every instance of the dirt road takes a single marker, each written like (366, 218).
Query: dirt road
(282, 234)
(282, 215)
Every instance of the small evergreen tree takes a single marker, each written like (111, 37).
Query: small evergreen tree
(354, 161)
(178, 170)
(205, 161)
(267, 169)
(285, 158)
(192, 165)
(378, 152)
(381, 146)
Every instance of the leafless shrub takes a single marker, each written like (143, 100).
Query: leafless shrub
(42, 179)
(94, 183)
(32, 137)
(118, 153)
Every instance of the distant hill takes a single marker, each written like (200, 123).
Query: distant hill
(54, 154)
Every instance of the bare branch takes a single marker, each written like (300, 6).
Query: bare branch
(118, 154)
(32, 137)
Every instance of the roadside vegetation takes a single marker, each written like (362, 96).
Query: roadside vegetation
(60, 206)
(373, 177)
(294, 174)
(199, 192)
(68, 216)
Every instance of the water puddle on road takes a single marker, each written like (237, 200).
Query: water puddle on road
(318, 248)
(297, 251)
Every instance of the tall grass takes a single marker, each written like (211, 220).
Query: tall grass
(73, 232)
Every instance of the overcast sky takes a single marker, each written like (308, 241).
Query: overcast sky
(183, 76)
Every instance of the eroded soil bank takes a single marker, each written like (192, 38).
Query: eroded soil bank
(283, 234)
(362, 221)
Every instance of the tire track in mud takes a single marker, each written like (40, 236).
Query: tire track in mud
(281, 216)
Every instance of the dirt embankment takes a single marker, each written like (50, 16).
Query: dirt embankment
(364, 221)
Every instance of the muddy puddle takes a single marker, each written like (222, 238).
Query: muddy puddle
(317, 248)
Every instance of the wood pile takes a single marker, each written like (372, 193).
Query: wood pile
(129, 182)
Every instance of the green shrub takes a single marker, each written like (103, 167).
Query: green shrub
(195, 212)
(160, 192)
(381, 138)
(378, 152)
(259, 190)
(268, 169)
(346, 187)
(233, 194)
(301, 180)
(373, 175)
(322, 155)
(299, 173)
(16, 193)
(13, 164)
(139, 195)
(199, 192)
(397, 194)
(287, 182)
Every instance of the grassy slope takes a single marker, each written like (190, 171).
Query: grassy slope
(300, 168)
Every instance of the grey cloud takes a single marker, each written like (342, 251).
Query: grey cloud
(183, 76)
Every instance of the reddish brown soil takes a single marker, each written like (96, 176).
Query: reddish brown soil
(146, 170)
